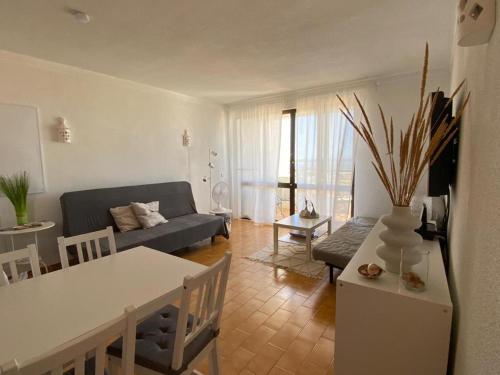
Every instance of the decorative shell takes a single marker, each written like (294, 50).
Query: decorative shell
(370, 271)
(373, 269)
(413, 282)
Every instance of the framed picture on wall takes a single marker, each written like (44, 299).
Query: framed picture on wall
(20, 144)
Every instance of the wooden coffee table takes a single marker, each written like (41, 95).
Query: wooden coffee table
(306, 225)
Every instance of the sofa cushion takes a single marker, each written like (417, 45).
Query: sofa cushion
(155, 338)
(89, 368)
(147, 214)
(175, 234)
(124, 218)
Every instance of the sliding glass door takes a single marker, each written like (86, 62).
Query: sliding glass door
(316, 162)
(287, 185)
(324, 157)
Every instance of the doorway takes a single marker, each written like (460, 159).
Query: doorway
(287, 185)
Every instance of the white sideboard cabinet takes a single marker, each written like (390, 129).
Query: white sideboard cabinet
(384, 329)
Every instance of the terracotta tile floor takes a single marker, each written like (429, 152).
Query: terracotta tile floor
(274, 322)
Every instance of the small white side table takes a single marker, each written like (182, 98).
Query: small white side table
(15, 232)
(303, 224)
(226, 213)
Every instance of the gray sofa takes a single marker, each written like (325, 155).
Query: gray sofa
(88, 210)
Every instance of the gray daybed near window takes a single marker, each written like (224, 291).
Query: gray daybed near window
(339, 247)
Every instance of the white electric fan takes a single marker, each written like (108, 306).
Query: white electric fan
(219, 194)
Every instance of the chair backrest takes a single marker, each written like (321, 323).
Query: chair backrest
(4, 280)
(74, 353)
(208, 289)
(11, 259)
(84, 242)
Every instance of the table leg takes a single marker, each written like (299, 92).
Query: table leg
(22, 275)
(275, 238)
(40, 260)
(329, 226)
(308, 245)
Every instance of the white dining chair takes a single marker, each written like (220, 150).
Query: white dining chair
(174, 340)
(12, 257)
(85, 355)
(4, 280)
(84, 242)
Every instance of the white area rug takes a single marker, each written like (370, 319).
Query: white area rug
(291, 257)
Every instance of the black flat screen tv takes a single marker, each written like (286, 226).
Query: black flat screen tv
(443, 171)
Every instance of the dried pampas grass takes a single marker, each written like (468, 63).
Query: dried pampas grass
(401, 176)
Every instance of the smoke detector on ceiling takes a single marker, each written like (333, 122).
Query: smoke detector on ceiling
(79, 16)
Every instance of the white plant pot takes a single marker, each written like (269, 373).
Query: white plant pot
(400, 234)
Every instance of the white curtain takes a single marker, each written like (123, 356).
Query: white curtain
(324, 154)
(253, 142)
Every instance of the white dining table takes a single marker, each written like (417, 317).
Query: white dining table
(39, 314)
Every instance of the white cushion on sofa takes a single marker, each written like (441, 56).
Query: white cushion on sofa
(147, 214)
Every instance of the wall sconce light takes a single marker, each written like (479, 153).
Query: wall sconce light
(63, 131)
(476, 21)
(186, 139)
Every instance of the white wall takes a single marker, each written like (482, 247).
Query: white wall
(398, 97)
(124, 133)
(475, 228)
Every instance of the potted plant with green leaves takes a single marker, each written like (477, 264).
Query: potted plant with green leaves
(15, 188)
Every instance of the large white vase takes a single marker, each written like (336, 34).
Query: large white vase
(400, 234)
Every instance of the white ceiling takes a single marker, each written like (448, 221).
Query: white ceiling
(229, 50)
